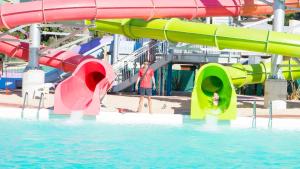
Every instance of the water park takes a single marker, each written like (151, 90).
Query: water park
(150, 84)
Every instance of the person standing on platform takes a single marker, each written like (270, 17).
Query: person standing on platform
(147, 81)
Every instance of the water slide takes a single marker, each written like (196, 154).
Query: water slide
(12, 15)
(221, 36)
(44, 11)
(214, 78)
(90, 80)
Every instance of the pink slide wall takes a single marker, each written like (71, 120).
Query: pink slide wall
(80, 92)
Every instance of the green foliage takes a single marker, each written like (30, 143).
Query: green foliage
(292, 16)
(45, 39)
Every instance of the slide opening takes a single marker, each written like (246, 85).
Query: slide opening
(211, 85)
(92, 79)
(92, 73)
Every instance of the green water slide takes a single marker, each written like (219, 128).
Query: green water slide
(221, 36)
(214, 78)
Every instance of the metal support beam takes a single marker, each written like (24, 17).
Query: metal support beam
(259, 22)
(19, 28)
(61, 34)
(116, 49)
(68, 45)
(35, 37)
(61, 40)
(278, 24)
(14, 40)
(292, 9)
(66, 25)
(169, 80)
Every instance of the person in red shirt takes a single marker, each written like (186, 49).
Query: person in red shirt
(147, 80)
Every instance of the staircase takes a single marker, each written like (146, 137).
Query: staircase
(127, 68)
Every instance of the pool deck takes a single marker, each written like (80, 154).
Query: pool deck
(161, 104)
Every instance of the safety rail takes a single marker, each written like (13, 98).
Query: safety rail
(270, 115)
(23, 106)
(139, 53)
(40, 103)
(184, 48)
(254, 115)
(127, 68)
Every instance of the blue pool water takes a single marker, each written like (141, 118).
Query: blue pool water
(59, 144)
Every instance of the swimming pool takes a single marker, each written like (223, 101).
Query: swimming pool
(61, 144)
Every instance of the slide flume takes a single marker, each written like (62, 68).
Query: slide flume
(215, 78)
(83, 91)
(89, 82)
(44, 11)
(221, 36)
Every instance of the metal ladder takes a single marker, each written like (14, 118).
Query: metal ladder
(254, 115)
(25, 103)
(23, 106)
(270, 121)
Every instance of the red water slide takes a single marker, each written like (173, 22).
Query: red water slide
(84, 89)
(64, 60)
(80, 92)
(43, 11)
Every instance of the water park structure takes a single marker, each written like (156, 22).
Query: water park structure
(175, 30)
(92, 74)
(225, 77)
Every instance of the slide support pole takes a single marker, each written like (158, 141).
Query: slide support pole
(278, 25)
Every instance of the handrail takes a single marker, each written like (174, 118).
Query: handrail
(270, 115)
(136, 54)
(254, 115)
(39, 108)
(121, 67)
(23, 106)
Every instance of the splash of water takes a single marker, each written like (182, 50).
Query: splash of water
(75, 118)
(211, 120)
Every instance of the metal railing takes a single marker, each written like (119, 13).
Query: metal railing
(40, 103)
(202, 49)
(23, 106)
(139, 54)
(254, 115)
(270, 123)
(127, 67)
(183, 48)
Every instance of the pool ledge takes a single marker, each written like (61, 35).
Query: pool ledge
(146, 118)
(140, 118)
(264, 123)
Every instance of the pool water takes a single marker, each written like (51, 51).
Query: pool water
(60, 144)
